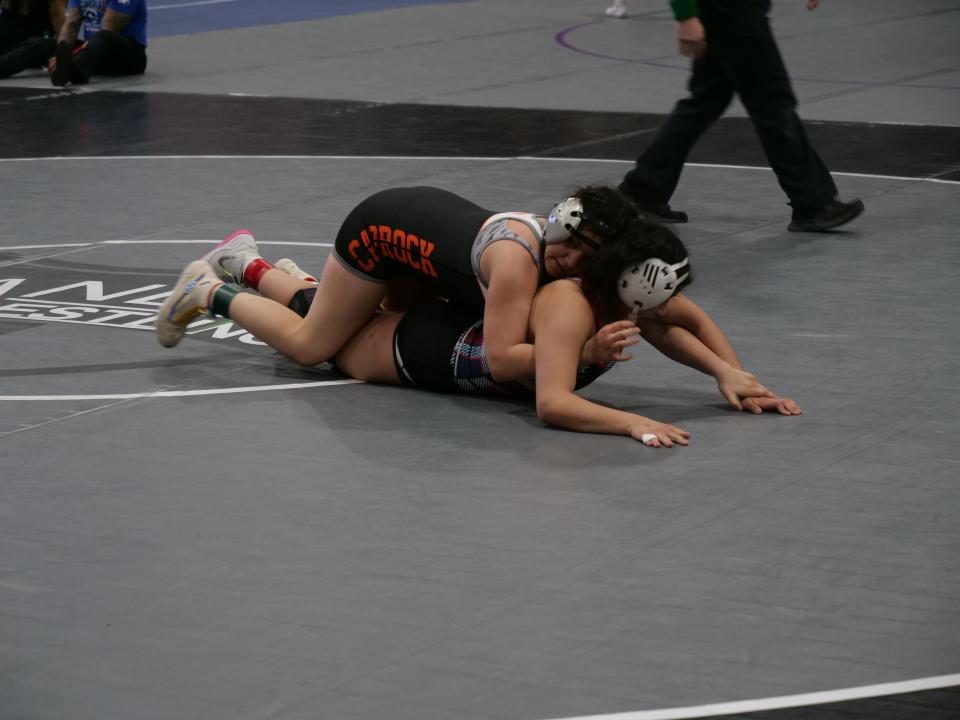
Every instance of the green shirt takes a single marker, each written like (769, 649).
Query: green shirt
(683, 9)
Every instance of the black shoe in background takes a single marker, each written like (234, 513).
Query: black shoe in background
(655, 212)
(661, 213)
(833, 214)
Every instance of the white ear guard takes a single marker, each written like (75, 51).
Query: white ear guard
(650, 283)
(563, 220)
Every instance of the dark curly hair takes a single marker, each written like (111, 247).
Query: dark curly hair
(605, 210)
(636, 240)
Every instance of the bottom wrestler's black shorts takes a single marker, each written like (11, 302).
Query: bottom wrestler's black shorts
(301, 301)
(425, 342)
(437, 346)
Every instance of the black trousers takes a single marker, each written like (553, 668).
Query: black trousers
(106, 53)
(16, 33)
(30, 54)
(742, 57)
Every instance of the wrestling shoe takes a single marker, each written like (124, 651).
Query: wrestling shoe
(617, 10)
(291, 268)
(189, 300)
(833, 214)
(231, 255)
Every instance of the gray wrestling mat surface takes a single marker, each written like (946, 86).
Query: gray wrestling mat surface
(214, 532)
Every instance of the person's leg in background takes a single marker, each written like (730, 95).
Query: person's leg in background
(752, 60)
(28, 55)
(108, 53)
(652, 181)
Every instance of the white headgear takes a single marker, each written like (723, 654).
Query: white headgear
(650, 283)
(563, 220)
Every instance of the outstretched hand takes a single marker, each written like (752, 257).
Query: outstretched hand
(735, 384)
(657, 434)
(609, 342)
(784, 406)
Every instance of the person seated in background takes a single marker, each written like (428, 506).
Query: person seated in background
(100, 37)
(27, 32)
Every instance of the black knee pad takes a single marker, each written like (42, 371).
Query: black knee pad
(301, 301)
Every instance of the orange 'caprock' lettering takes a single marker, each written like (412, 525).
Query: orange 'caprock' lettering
(399, 249)
(395, 244)
(369, 245)
(426, 248)
(365, 265)
(412, 241)
(384, 233)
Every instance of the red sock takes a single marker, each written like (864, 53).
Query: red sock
(253, 272)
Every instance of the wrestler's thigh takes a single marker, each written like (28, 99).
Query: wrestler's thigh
(368, 355)
(343, 304)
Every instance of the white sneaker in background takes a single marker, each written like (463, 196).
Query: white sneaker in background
(618, 9)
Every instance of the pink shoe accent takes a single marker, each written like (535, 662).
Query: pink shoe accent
(227, 239)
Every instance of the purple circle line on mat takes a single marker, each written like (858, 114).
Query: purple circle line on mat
(561, 39)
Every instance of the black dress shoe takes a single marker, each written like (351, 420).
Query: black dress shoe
(833, 214)
(661, 213)
(652, 211)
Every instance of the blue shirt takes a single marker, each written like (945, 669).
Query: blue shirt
(92, 12)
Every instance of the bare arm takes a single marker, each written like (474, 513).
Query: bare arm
(685, 332)
(679, 344)
(684, 312)
(56, 8)
(71, 26)
(513, 281)
(115, 21)
(562, 321)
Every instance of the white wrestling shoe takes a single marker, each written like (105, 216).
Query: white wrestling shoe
(617, 10)
(232, 254)
(291, 268)
(188, 301)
